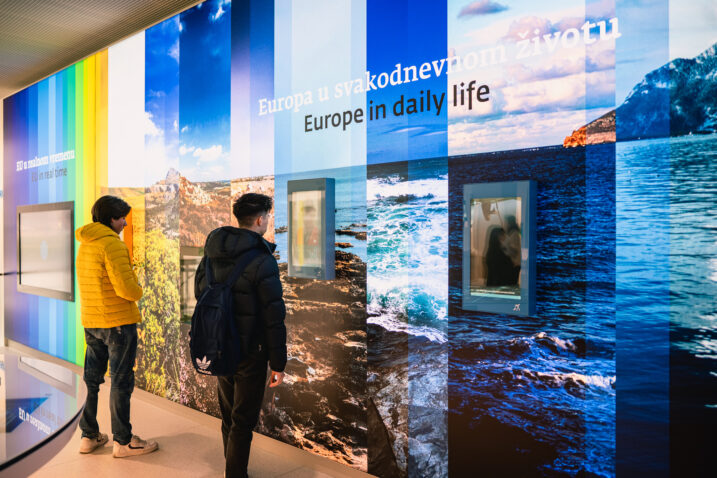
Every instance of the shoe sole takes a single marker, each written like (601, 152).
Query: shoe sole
(144, 451)
(85, 452)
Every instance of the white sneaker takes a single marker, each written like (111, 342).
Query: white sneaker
(88, 445)
(136, 446)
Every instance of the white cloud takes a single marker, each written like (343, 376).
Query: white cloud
(149, 127)
(220, 10)
(568, 94)
(498, 30)
(481, 7)
(174, 51)
(513, 132)
(601, 84)
(521, 73)
(185, 129)
(546, 95)
(210, 154)
(157, 162)
(410, 129)
(175, 125)
(204, 172)
(218, 15)
(185, 149)
(564, 62)
(568, 22)
(602, 8)
(528, 27)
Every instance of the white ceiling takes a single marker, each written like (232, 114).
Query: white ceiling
(40, 37)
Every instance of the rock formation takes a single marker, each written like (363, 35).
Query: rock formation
(322, 408)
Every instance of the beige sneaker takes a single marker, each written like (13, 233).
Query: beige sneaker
(136, 446)
(88, 445)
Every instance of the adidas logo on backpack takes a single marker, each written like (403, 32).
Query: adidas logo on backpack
(204, 363)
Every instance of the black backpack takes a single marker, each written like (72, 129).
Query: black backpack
(214, 339)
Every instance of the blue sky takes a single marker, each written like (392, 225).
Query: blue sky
(409, 33)
(645, 46)
(162, 99)
(204, 91)
(534, 102)
(661, 31)
(252, 77)
(318, 43)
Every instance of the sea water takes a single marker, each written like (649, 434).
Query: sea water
(408, 248)
(350, 206)
(636, 246)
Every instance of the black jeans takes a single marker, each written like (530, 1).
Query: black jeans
(119, 346)
(240, 397)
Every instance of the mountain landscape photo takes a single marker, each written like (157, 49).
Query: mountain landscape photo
(679, 98)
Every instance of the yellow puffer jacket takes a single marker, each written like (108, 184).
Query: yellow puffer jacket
(109, 290)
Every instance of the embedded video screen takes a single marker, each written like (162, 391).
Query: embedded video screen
(306, 228)
(495, 248)
(45, 250)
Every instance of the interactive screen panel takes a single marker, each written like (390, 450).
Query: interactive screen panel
(311, 228)
(498, 247)
(45, 250)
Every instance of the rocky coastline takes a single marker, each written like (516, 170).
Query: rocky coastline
(600, 131)
(322, 408)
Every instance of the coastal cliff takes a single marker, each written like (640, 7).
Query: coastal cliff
(600, 131)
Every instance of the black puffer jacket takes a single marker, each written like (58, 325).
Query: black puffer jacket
(258, 304)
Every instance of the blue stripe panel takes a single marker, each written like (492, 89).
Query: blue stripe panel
(402, 34)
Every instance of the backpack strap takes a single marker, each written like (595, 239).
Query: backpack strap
(210, 275)
(244, 260)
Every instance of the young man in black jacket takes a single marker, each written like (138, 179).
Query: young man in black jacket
(259, 314)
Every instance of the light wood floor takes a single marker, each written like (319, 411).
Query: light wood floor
(190, 445)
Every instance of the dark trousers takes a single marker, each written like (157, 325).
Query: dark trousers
(240, 397)
(118, 345)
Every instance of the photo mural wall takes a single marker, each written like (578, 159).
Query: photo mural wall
(523, 243)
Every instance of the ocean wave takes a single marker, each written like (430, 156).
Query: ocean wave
(541, 343)
(393, 187)
(555, 342)
(390, 260)
(569, 379)
(394, 324)
(408, 252)
(418, 297)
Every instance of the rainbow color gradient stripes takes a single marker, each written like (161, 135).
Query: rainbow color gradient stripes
(65, 112)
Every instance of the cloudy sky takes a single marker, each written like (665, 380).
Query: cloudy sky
(538, 100)
(170, 89)
(205, 86)
(161, 100)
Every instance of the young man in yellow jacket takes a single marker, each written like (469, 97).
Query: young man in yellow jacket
(109, 292)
